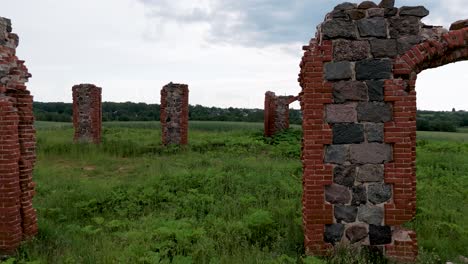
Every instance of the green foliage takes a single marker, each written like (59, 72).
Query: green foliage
(230, 196)
(128, 111)
(346, 254)
(441, 121)
(286, 142)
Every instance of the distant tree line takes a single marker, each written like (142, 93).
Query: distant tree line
(62, 112)
(441, 121)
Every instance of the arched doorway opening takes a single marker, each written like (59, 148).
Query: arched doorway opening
(442, 162)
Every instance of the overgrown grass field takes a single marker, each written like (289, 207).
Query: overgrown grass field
(230, 196)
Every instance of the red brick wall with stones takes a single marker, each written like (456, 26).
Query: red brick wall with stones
(174, 114)
(18, 145)
(359, 121)
(87, 113)
(276, 113)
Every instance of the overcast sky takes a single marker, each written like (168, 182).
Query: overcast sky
(229, 51)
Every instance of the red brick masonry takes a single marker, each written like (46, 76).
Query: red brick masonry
(18, 141)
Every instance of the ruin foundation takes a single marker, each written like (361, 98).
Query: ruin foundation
(18, 146)
(359, 122)
(87, 113)
(174, 114)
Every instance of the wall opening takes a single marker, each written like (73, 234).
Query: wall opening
(442, 160)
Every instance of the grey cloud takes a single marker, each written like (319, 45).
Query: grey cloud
(247, 22)
(253, 22)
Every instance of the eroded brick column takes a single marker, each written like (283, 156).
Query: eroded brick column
(10, 193)
(269, 114)
(18, 143)
(87, 113)
(276, 113)
(174, 114)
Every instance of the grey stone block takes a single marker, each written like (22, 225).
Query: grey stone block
(371, 214)
(374, 112)
(336, 154)
(344, 175)
(345, 6)
(376, 12)
(349, 91)
(339, 28)
(370, 153)
(345, 213)
(374, 132)
(4, 70)
(384, 48)
(341, 113)
(348, 133)
(389, 12)
(356, 233)
(350, 50)
(359, 195)
(375, 90)
(367, 5)
(372, 27)
(387, 3)
(379, 192)
(338, 70)
(337, 194)
(372, 69)
(418, 11)
(356, 14)
(333, 233)
(404, 26)
(370, 173)
(407, 42)
(6, 23)
(340, 14)
(380, 235)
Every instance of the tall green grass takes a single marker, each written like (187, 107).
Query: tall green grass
(230, 196)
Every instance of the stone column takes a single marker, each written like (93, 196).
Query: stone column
(87, 113)
(282, 113)
(18, 145)
(174, 114)
(269, 114)
(276, 113)
(359, 128)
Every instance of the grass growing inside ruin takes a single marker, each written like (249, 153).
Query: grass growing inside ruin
(228, 197)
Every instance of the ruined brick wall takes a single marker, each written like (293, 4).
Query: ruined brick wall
(174, 114)
(276, 113)
(359, 122)
(18, 145)
(87, 113)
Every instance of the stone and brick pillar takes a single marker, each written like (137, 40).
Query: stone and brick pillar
(18, 146)
(358, 101)
(276, 113)
(359, 123)
(87, 113)
(174, 114)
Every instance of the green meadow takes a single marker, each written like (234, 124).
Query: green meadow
(230, 196)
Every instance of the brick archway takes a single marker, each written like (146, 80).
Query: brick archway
(358, 101)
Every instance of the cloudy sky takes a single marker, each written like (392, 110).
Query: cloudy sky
(229, 51)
